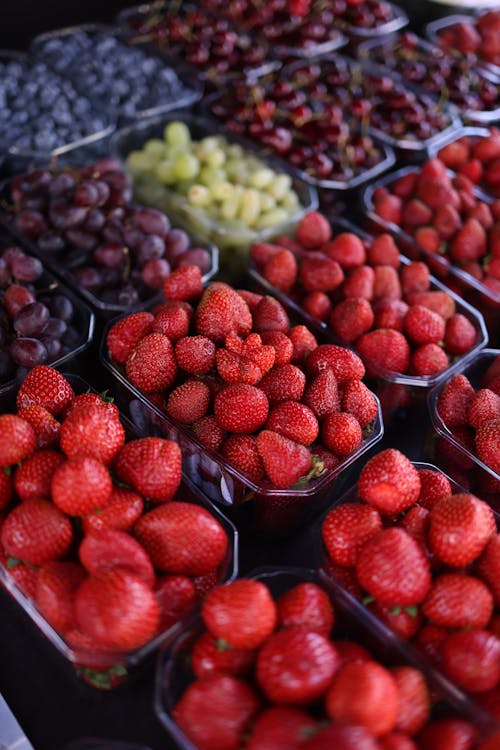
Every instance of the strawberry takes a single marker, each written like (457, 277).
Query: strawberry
(396, 741)
(36, 532)
(120, 511)
(386, 284)
(456, 600)
(283, 347)
(423, 326)
(406, 623)
(471, 659)
(44, 386)
(365, 694)
(240, 451)
(184, 283)
(242, 613)
(94, 432)
(428, 239)
(295, 666)
(345, 530)
(341, 737)
(491, 743)
(46, 426)
(415, 277)
(241, 408)
(176, 596)
(454, 154)
(322, 395)
(460, 335)
(189, 401)
(172, 321)
(233, 704)
(359, 283)
(388, 207)
(303, 341)
(313, 230)
(236, 368)
(447, 221)
(392, 567)
(358, 400)
(415, 213)
(295, 421)
(469, 243)
(281, 270)
(317, 304)
(56, 585)
(440, 302)
(152, 366)
(488, 443)
(285, 461)
(460, 527)
(151, 466)
(351, 651)
(221, 311)
(286, 383)
(351, 318)
(428, 359)
(306, 605)
(125, 334)
(484, 405)
(434, 485)
(104, 550)
(347, 249)
(32, 479)
(6, 489)
(281, 728)
(482, 213)
(251, 298)
(345, 364)
(454, 400)
(385, 348)
(414, 699)
(488, 566)
(17, 439)
(80, 485)
(195, 354)
(182, 538)
(270, 315)
(448, 734)
(319, 273)
(389, 482)
(84, 401)
(341, 433)
(118, 609)
(262, 252)
(208, 433)
(212, 655)
(383, 251)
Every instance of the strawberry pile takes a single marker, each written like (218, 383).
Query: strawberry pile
(93, 529)
(476, 157)
(228, 366)
(472, 416)
(386, 309)
(477, 36)
(445, 216)
(425, 559)
(276, 678)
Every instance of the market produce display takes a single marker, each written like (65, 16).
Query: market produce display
(471, 36)
(477, 156)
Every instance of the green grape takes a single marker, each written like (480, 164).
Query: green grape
(142, 161)
(216, 158)
(267, 202)
(234, 151)
(186, 166)
(271, 218)
(290, 201)
(182, 186)
(229, 207)
(205, 147)
(165, 172)
(236, 171)
(199, 195)
(211, 176)
(176, 133)
(261, 178)
(221, 190)
(280, 185)
(155, 147)
(249, 210)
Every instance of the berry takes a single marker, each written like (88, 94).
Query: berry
(341, 433)
(285, 461)
(126, 333)
(313, 230)
(212, 655)
(293, 420)
(454, 400)
(456, 600)
(105, 550)
(281, 728)
(460, 528)
(345, 364)
(152, 366)
(306, 605)
(389, 482)
(471, 658)
(44, 386)
(189, 401)
(385, 348)
(80, 485)
(95, 432)
(36, 532)
(240, 451)
(151, 466)
(241, 408)
(32, 479)
(56, 584)
(195, 354)
(346, 529)
(222, 311)
(17, 439)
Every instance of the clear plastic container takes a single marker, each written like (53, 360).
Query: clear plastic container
(174, 674)
(398, 20)
(47, 47)
(435, 29)
(99, 743)
(109, 669)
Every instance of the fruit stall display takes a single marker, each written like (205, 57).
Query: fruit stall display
(467, 36)
(235, 389)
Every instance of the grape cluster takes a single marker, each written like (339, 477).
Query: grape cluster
(83, 221)
(41, 110)
(126, 78)
(37, 321)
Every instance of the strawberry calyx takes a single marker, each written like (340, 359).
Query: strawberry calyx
(103, 679)
(318, 468)
(222, 644)
(412, 611)
(7, 470)
(12, 562)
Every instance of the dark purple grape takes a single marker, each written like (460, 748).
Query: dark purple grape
(71, 339)
(149, 248)
(30, 223)
(26, 268)
(197, 256)
(94, 221)
(151, 221)
(155, 271)
(88, 277)
(87, 194)
(55, 328)
(176, 242)
(107, 164)
(103, 191)
(133, 237)
(64, 215)
(81, 239)
(110, 254)
(61, 184)
(51, 242)
(32, 319)
(111, 277)
(16, 297)
(7, 366)
(28, 352)
(4, 335)
(60, 307)
(113, 231)
(4, 273)
(53, 346)
(128, 296)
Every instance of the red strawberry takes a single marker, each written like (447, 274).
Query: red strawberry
(414, 699)
(195, 354)
(80, 485)
(24, 575)
(341, 433)
(440, 302)
(471, 658)
(212, 655)
(460, 528)
(345, 364)
(388, 207)
(32, 479)
(152, 466)
(313, 230)
(322, 395)
(208, 433)
(488, 443)
(46, 426)
(386, 284)
(233, 704)
(317, 304)
(183, 538)
(281, 728)
(341, 737)
(306, 605)
(44, 386)
(454, 400)
(6, 488)
(284, 383)
(347, 249)
(345, 530)
(389, 482)
(434, 485)
(295, 666)
(285, 462)
(460, 334)
(241, 452)
(222, 311)
(281, 270)
(423, 326)
(236, 368)
(152, 366)
(120, 511)
(242, 613)
(176, 596)
(118, 609)
(303, 342)
(415, 213)
(56, 585)
(17, 439)
(359, 283)
(415, 277)
(358, 400)
(469, 243)
(319, 273)
(488, 566)
(283, 347)
(385, 348)
(428, 359)
(189, 401)
(126, 333)
(293, 420)
(365, 694)
(351, 318)
(84, 401)
(454, 154)
(262, 252)
(241, 408)
(383, 251)
(456, 600)
(492, 743)
(406, 623)
(393, 568)
(484, 405)
(104, 550)
(36, 532)
(95, 432)
(390, 313)
(448, 734)
(396, 741)
(183, 284)
(270, 315)
(172, 321)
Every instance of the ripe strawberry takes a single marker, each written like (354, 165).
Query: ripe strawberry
(345, 364)
(460, 335)
(347, 249)
(236, 368)
(262, 252)
(189, 401)
(270, 315)
(358, 400)
(214, 656)
(428, 359)
(491, 743)
(118, 609)
(242, 613)
(386, 284)
(488, 443)
(351, 318)
(359, 283)
(281, 270)
(303, 341)
(172, 321)
(120, 511)
(392, 567)
(182, 537)
(176, 596)
(94, 431)
(17, 439)
(341, 433)
(469, 243)
(415, 213)
(283, 347)
(183, 284)
(241, 408)
(390, 313)
(383, 251)
(454, 399)
(396, 741)
(345, 530)
(471, 659)
(313, 230)
(484, 405)
(6, 489)
(447, 221)
(221, 311)
(295, 666)
(84, 401)
(241, 452)
(295, 421)
(454, 154)
(286, 383)
(488, 566)
(105, 550)
(456, 600)
(281, 728)
(195, 354)
(285, 461)
(460, 528)
(351, 651)
(44, 386)
(208, 433)
(80, 485)
(152, 366)
(306, 605)
(36, 532)
(423, 326)
(365, 694)
(125, 334)
(414, 699)
(440, 302)
(32, 479)
(482, 213)
(56, 585)
(46, 426)
(385, 348)
(428, 239)
(415, 277)
(388, 207)
(448, 734)
(341, 737)
(389, 482)
(322, 394)
(151, 466)
(406, 623)
(434, 485)
(319, 273)
(317, 304)
(233, 705)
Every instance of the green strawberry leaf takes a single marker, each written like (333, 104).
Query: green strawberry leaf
(13, 561)
(222, 645)
(367, 600)
(7, 470)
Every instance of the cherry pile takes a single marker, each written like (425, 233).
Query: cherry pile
(37, 320)
(478, 36)
(477, 157)
(366, 15)
(83, 220)
(438, 72)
